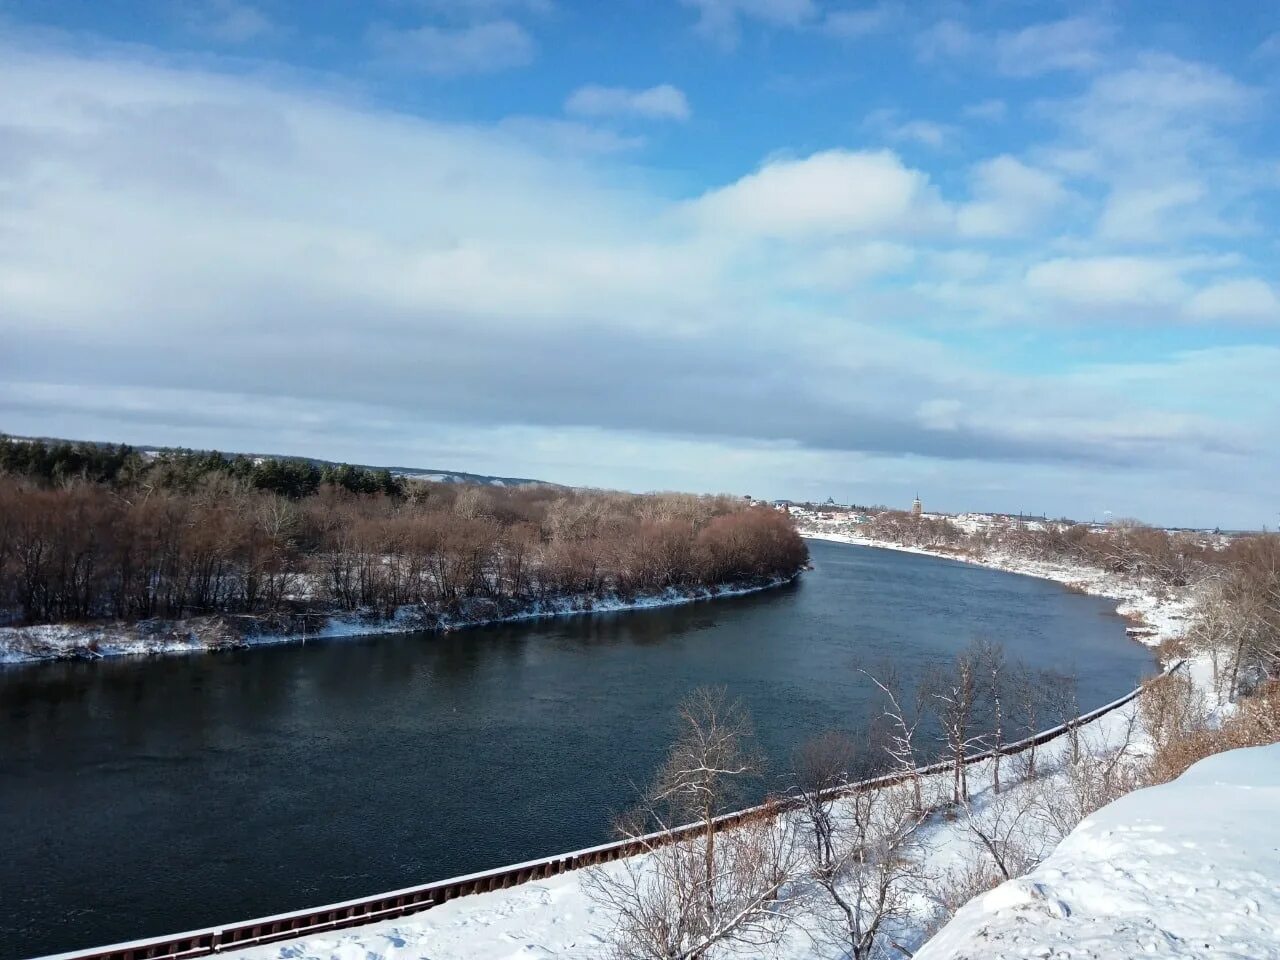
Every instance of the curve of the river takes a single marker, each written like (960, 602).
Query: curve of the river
(146, 796)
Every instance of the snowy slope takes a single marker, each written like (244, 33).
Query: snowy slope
(1190, 869)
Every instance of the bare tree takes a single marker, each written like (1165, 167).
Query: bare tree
(955, 691)
(1096, 775)
(990, 664)
(901, 722)
(821, 766)
(1061, 691)
(1000, 828)
(867, 883)
(1030, 693)
(699, 889)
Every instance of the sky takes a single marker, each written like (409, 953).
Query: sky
(1007, 255)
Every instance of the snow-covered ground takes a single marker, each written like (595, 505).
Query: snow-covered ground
(62, 641)
(556, 917)
(1188, 869)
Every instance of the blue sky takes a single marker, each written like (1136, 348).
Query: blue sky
(1015, 255)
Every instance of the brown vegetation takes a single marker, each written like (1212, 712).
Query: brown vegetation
(85, 551)
(708, 889)
(1183, 733)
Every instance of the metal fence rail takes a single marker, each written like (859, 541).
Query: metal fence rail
(399, 903)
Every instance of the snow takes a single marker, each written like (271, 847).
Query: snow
(1188, 869)
(62, 641)
(556, 918)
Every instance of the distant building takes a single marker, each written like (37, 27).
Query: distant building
(917, 508)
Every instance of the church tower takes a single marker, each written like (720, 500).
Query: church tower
(917, 508)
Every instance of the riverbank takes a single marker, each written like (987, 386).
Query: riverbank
(552, 917)
(1155, 613)
(307, 768)
(91, 641)
(557, 916)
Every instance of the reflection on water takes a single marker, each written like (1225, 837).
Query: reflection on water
(146, 796)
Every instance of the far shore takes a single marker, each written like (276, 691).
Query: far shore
(92, 641)
(1155, 614)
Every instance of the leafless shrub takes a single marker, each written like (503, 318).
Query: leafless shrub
(865, 871)
(1171, 708)
(897, 733)
(995, 689)
(710, 889)
(1061, 692)
(1184, 740)
(1031, 695)
(954, 691)
(1002, 829)
(819, 767)
(1094, 775)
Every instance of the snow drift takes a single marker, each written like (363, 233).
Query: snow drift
(1188, 869)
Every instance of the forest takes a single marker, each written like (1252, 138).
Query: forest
(89, 532)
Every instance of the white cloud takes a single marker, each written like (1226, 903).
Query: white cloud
(889, 123)
(1168, 86)
(846, 266)
(1073, 44)
(1140, 213)
(1109, 281)
(947, 40)
(991, 110)
(554, 134)
(721, 20)
(834, 192)
(1245, 299)
(1010, 198)
(226, 21)
(662, 102)
(860, 22)
(477, 48)
(1157, 135)
(457, 291)
(926, 132)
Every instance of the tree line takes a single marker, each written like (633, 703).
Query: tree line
(122, 466)
(1236, 618)
(79, 550)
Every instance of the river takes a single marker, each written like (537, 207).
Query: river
(143, 796)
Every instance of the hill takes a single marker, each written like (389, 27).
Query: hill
(410, 473)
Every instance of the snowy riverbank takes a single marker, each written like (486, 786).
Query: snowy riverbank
(1156, 613)
(1187, 869)
(556, 917)
(203, 634)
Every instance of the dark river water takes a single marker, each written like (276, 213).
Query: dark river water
(145, 796)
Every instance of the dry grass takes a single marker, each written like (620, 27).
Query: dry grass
(1175, 647)
(1175, 717)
